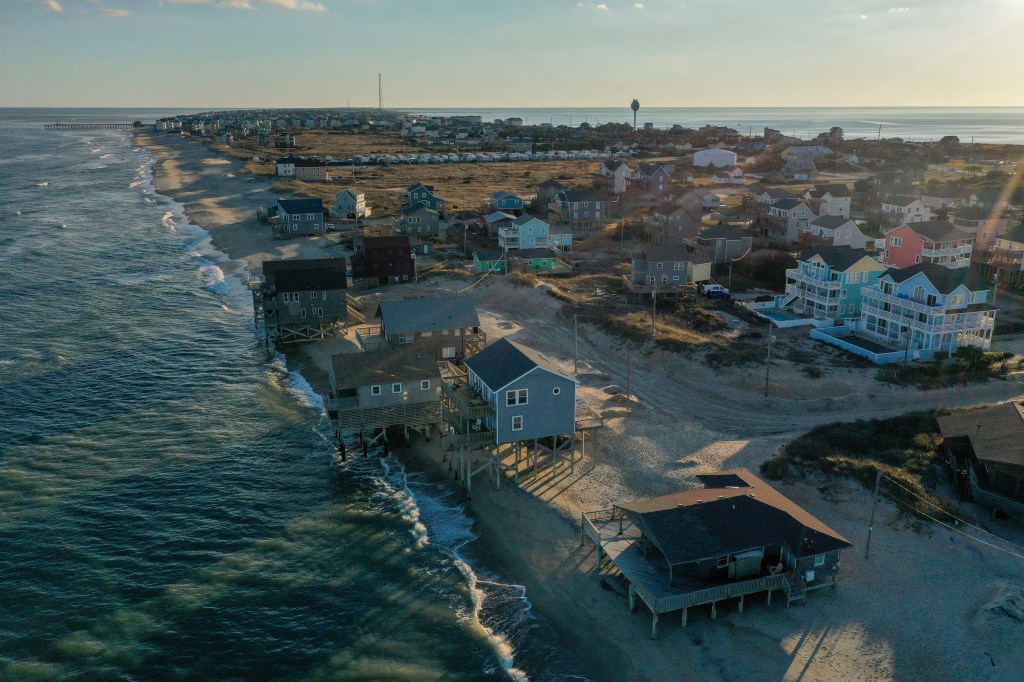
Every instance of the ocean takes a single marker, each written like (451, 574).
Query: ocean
(170, 507)
(1004, 125)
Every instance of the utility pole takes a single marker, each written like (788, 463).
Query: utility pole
(654, 311)
(768, 361)
(380, 92)
(874, 503)
(576, 352)
(629, 376)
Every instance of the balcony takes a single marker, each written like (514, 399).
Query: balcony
(876, 297)
(797, 275)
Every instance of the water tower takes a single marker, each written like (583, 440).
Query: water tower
(635, 106)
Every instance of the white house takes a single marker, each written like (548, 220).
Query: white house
(286, 166)
(614, 173)
(720, 158)
(902, 210)
(835, 230)
(787, 218)
(729, 176)
(831, 199)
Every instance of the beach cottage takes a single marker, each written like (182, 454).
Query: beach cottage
(301, 300)
(297, 218)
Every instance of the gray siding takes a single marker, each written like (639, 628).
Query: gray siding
(824, 574)
(306, 309)
(545, 413)
(410, 394)
(299, 225)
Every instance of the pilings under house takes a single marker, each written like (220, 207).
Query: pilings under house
(279, 335)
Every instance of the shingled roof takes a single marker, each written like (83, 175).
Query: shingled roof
(946, 280)
(939, 231)
(735, 511)
(315, 274)
(407, 363)
(427, 314)
(504, 361)
(301, 205)
(830, 222)
(996, 434)
(839, 258)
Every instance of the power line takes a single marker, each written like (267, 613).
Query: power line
(954, 528)
(951, 515)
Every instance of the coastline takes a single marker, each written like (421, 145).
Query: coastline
(528, 534)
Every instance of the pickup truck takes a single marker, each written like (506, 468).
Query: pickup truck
(712, 290)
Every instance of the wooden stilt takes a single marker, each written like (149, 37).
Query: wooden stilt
(740, 609)
(654, 626)
(714, 610)
(683, 623)
(632, 598)
(769, 597)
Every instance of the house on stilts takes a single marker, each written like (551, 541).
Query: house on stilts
(736, 536)
(302, 300)
(507, 410)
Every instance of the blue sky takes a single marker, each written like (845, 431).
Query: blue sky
(526, 53)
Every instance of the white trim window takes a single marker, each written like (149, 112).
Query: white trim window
(425, 385)
(374, 390)
(396, 388)
(517, 422)
(513, 398)
(819, 560)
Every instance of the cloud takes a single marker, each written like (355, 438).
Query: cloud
(601, 7)
(898, 10)
(638, 5)
(863, 16)
(302, 5)
(53, 5)
(227, 4)
(107, 12)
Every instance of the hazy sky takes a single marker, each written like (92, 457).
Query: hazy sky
(523, 53)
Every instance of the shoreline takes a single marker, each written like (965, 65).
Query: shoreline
(528, 534)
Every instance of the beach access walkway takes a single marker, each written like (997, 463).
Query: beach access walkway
(617, 538)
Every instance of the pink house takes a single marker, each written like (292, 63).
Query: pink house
(933, 241)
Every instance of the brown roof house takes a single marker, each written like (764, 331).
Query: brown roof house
(735, 536)
(986, 451)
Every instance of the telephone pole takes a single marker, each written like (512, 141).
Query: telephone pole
(576, 352)
(874, 503)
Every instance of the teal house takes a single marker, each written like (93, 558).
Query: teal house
(422, 195)
(489, 261)
(826, 284)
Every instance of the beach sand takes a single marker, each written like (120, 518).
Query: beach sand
(920, 608)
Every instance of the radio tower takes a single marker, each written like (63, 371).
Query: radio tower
(380, 93)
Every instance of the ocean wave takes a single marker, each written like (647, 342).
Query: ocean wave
(434, 521)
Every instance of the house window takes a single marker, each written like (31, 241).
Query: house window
(896, 241)
(556, 390)
(516, 397)
(819, 560)
(313, 294)
(374, 390)
(517, 423)
(448, 352)
(319, 312)
(302, 313)
(917, 258)
(722, 562)
(425, 385)
(396, 388)
(661, 265)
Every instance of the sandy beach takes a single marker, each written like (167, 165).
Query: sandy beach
(929, 604)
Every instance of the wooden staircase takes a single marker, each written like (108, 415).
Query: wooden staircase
(797, 588)
(961, 479)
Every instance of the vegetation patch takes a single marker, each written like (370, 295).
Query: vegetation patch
(523, 279)
(966, 365)
(904, 448)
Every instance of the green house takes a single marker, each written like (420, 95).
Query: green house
(488, 261)
(536, 259)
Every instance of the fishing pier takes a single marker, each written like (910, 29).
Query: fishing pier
(94, 126)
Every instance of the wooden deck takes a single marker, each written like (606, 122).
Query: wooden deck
(615, 537)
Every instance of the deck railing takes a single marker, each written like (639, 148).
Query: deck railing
(721, 592)
(993, 500)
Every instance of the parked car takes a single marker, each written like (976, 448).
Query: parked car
(712, 290)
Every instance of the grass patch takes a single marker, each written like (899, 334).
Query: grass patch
(523, 279)
(966, 365)
(904, 448)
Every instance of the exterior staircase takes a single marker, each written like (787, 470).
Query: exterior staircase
(961, 479)
(797, 588)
